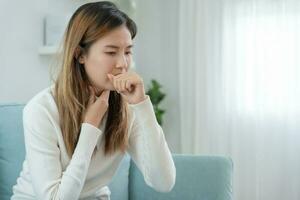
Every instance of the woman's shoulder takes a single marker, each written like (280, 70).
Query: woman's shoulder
(40, 118)
(43, 100)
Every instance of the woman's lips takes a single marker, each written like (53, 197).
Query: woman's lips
(116, 72)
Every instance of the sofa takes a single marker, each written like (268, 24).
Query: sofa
(197, 177)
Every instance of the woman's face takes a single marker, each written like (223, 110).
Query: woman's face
(110, 54)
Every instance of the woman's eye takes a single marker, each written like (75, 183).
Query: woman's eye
(128, 53)
(111, 53)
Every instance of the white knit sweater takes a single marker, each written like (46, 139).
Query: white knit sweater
(49, 173)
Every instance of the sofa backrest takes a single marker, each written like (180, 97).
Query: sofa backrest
(12, 154)
(197, 177)
(12, 149)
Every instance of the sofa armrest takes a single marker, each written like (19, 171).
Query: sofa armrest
(197, 177)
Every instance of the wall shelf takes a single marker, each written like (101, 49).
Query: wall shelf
(48, 50)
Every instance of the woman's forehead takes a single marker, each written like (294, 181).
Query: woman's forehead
(119, 37)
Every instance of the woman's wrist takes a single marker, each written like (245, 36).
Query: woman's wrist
(141, 99)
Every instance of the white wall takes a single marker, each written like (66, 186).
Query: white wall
(23, 72)
(156, 57)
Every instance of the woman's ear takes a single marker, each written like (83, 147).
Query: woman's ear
(81, 59)
(78, 55)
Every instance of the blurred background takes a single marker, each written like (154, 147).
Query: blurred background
(229, 70)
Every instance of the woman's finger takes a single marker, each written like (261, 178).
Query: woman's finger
(105, 95)
(120, 85)
(103, 99)
(123, 88)
(118, 88)
(92, 95)
(113, 81)
(127, 85)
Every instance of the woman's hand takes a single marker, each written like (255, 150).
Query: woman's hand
(130, 85)
(96, 108)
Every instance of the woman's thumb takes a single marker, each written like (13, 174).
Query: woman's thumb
(104, 96)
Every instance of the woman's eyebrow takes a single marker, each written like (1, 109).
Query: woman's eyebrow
(116, 47)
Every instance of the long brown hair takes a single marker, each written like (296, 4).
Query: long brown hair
(71, 92)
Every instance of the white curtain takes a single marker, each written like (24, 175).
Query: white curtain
(239, 72)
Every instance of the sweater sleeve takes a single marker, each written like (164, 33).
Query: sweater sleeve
(43, 156)
(149, 150)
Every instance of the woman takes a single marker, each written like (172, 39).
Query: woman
(78, 130)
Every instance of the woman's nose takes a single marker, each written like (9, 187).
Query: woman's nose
(122, 64)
